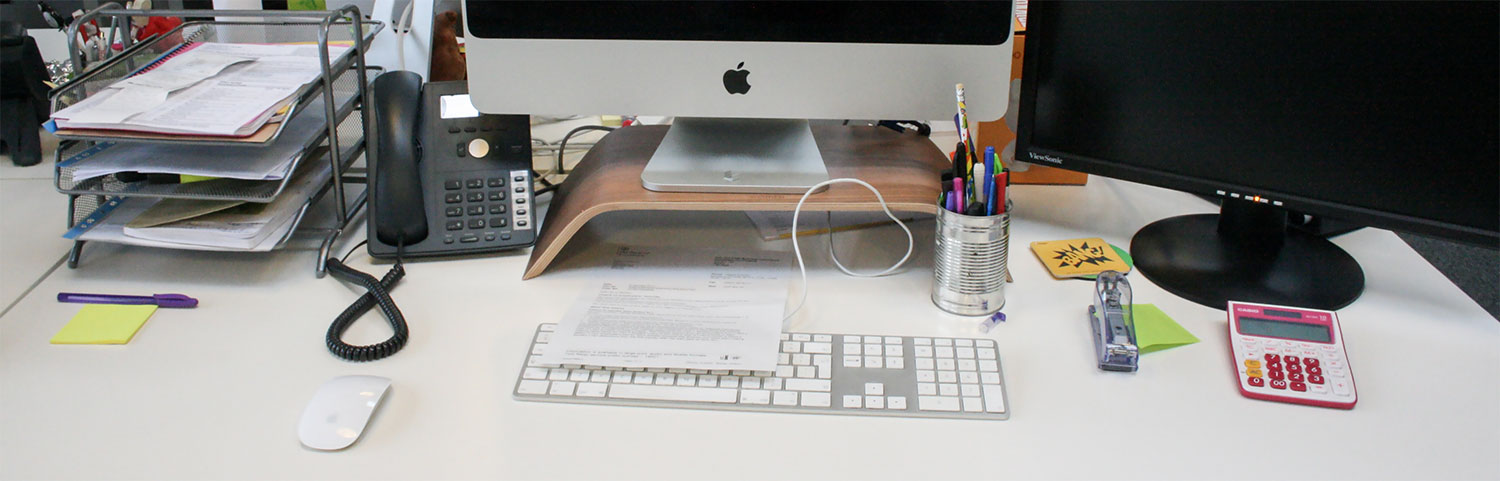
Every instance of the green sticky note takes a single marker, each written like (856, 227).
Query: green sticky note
(1155, 331)
(188, 179)
(104, 324)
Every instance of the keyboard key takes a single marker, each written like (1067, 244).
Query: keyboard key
(937, 403)
(893, 350)
(989, 378)
(802, 359)
(801, 337)
(807, 371)
(993, 399)
(622, 377)
(942, 342)
(924, 363)
(750, 383)
(729, 382)
(896, 402)
(708, 381)
(922, 351)
(946, 364)
(851, 401)
(927, 389)
(817, 348)
(673, 393)
(592, 389)
(968, 390)
(666, 379)
(534, 373)
(872, 350)
(948, 389)
(874, 402)
(561, 388)
(785, 371)
(853, 339)
(874, 389)
(816, 399)
(820, 385)
(985, 353)
(822, 338)
(874, 362)
(773, 383)
(964, 352)
(943, 351)
(967, 365)
(784, 398)
(579, 375)
(973, 404)
(893, 339)
(895, 363)
(947, 376)
(852, 361)
(687, 380)
(791, 346)
(645, 378)
(989, 366)
(600, 376)
(968, 377)
(922, 341)
(926, 376)
(558, 374)
(532, 387)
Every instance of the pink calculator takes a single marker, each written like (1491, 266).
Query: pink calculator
(1290, 354)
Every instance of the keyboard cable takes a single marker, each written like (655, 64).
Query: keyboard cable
(802, 268)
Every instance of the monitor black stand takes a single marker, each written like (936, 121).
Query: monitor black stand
(1246, 253)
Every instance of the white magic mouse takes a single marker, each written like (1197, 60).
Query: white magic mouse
(338, 413)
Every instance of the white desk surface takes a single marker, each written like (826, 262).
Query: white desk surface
(33, 217)
(216, 391)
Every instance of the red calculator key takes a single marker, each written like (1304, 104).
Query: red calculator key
(1295, 377)
(1273, 357)
(1278, 384)
(1293, 367)
(1310, 361)
(1277, 375)
(1273, 366)
(1297, 386)
(1257, 382)
(1315, 379)
(1314, 370)
(1292, 359)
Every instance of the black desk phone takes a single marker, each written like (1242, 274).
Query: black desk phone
(445, 179)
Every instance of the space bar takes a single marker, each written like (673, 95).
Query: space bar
(674, 393)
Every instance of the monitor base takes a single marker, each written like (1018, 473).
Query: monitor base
(772, 156)
(1246, 253)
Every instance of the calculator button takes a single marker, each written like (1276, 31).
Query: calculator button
(1252, 372)
(1338, 373)
(1271, 357)
(452, 185)
(1252, 363)
(1257, 382)
(1315, 379)
(453, 198)
(1277, 375)
(1295, 377)
(1311, 362)
(1293, 367)
(1288, 344)
(1342, 388)
(1278, 384)
(1273, 366)
(1328, 348)
(1314, 370)
(1318, 389)
(1307, 353)
(1299, 387)
(1250, 341)
(1292, 359)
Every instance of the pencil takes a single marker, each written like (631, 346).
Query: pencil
(963, 124)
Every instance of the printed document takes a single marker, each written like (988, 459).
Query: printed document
(678, 308)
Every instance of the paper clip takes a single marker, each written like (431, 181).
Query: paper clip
(1114, 327)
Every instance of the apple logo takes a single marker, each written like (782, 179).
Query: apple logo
(737, 81)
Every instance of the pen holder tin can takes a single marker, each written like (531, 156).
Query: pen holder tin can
(969, 263)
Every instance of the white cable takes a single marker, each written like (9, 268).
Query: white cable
(401, 30)
(802, 268)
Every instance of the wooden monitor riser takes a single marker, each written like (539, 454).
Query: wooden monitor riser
(904, 167)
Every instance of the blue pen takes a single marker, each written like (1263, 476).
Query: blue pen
(160, 300)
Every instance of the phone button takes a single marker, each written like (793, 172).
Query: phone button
(474, 183)
(469, 129)
(452, 185)
(468, 238)
(498, 222)
(476, 223)
(497, 182)
(479, 148)
(455, 225)
(520, 211)
(475, 210)
(453, 198)
(455, 211)
(448, 238)
(520, 190)
(497, 208)
(476, 197)
(497, 195)
(520, 200)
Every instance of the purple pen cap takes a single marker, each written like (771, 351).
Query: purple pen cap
(174, 300)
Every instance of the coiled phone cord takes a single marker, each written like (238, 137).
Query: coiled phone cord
(377, 292)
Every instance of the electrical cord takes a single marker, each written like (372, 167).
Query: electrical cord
(802, 268)
(377, 293)
(563, 146)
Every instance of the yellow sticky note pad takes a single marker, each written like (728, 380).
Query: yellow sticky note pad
(104, 324)
(1078, 257)
(1155, 331)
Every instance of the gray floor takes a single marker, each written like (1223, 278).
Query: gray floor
(1476, 270)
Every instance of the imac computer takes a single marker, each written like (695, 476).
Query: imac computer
(741, 78)
(1376, 113)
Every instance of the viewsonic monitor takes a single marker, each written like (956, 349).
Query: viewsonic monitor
(741, 77)
(1378, 113)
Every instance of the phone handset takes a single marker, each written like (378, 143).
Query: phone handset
(396, 192)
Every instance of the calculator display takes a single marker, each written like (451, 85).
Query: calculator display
(1286, 330)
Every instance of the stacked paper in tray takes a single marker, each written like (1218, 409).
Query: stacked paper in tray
(210, 225)
(216, 89)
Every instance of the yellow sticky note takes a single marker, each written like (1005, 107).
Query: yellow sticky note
(104, 324)
(1078, 257)
(1155, 331)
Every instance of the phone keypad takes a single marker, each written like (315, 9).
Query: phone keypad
(481, 205)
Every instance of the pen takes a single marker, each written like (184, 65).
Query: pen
(958, 188)
(160, 300)
(960, 162)
(1001, 179)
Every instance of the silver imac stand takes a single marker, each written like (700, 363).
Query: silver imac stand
(775, 156)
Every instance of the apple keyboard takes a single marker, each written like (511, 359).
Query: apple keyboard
(929, 377)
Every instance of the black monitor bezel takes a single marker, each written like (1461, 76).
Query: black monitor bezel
(1035, 48)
